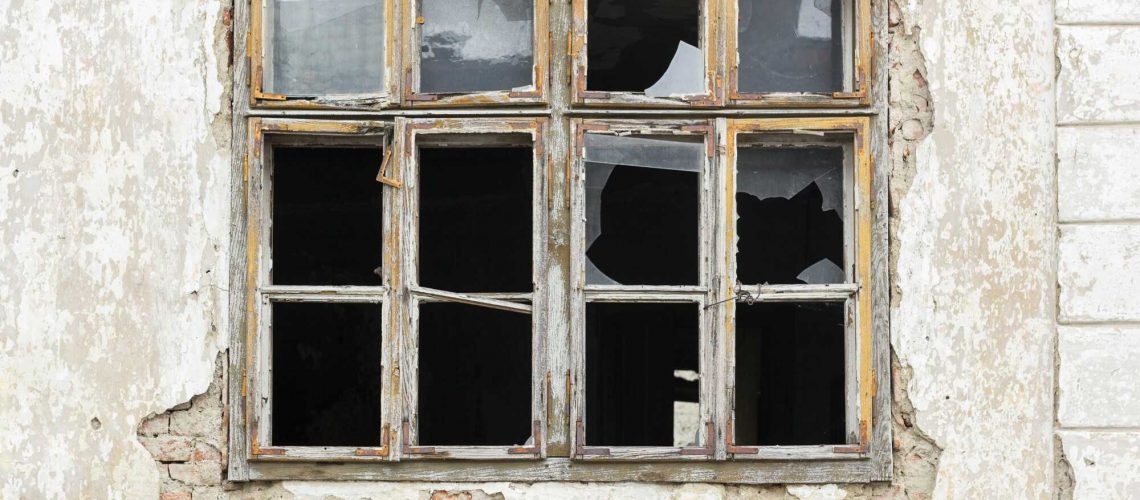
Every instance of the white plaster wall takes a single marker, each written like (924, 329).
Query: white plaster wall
(113, 227)
(1098, 106)
(974, 319)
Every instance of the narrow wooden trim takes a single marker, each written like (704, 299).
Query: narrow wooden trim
(471, 299)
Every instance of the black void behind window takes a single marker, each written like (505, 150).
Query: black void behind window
(642, 210)
(327, 216)
(475, 219)
(476, 45)
(642, 375)
(790, 45)
(789, 206)
(790, 374)
(326, 374)
(474, 376)
(651, 46)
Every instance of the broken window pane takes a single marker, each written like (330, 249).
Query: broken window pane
(327, 216)
(326, 374)
(790, 45)
(474, 376)
(790, 374)
(476, 45)
(789, 207)
(322, 47)
(646, 46)
(642, 375)
(642, 210)
(475, 219)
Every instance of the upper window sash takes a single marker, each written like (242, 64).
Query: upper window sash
(680, 84)
(324, 54)
(841, 80)
(437, 71)
(855, 291)
(261, 293)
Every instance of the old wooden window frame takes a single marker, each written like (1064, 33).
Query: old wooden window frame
(710, 20)
(411, 71)
(857, 65)
(261, 293)
(478, 132)
(851, 133)
(701, 294)
(257, 115)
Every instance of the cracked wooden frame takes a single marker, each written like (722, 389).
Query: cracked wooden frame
(261, 293)
(856, 293)
(258, 51)
(699, 295)
(410, 72)
(473, 131)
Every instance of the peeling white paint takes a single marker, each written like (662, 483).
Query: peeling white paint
(113, 190)
(975, 315)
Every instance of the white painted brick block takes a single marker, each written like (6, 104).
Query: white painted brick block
(1099, 272)
(1098, 11)
(1099, 379)
(1098, 172)
(1106, 465)
(1100, 66)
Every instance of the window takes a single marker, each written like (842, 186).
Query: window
(504, 240)
(798, 52)
(476, 52)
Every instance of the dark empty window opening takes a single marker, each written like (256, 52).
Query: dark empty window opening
(475, 219)
(327, 216)
(326, 374)
(790, 45)
(643, 375)
(474, 376)
(651, 46)
(790, 374)
(789, 206)
(642, 210)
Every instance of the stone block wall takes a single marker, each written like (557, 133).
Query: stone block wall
(1098, 186)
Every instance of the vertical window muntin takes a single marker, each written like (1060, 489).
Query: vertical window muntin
(261, 60)
(410, 73)
(469, 133)
(854, 293)
(699, 295)
(856, 64)
(262, 294)
(710, 97)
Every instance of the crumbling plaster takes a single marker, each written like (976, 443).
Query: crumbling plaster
(115, 183)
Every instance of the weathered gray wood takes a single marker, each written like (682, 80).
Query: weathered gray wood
(881, 442)
(237, 447)
(470, 299)
(561, 469)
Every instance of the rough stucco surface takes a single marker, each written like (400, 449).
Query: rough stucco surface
(1099, 272)
(975, 308)
(1098, 173)
(1104, 463)
(113, 195)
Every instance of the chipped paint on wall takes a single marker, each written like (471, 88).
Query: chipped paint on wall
(974, 307)
(113, 190)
